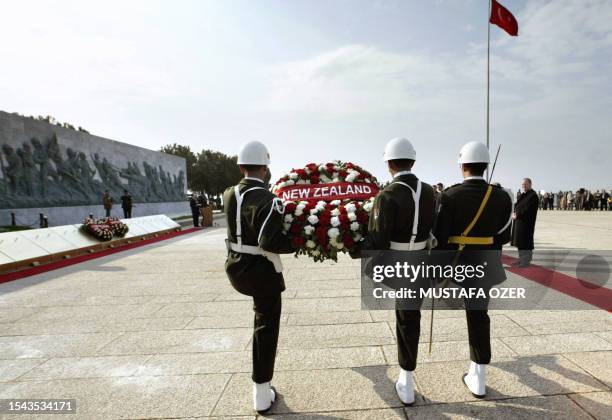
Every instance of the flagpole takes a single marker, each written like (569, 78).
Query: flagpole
(488, 71)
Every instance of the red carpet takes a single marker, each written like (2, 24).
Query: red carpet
(600, 297)
(4, 278)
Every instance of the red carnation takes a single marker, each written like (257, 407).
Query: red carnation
(347, 240)
(295, 229)
(301, 218)
(343, 174)
(298, 241)
(290, 207)
(361, 176)
(314, 179)
(344, 220)
(301, 173)
(349, 165)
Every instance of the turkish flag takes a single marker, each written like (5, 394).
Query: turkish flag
(502, 17)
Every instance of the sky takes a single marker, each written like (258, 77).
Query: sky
(317, 80)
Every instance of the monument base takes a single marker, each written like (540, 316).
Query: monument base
(58, 216)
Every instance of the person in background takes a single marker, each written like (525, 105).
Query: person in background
(525, 211)
(126, 204)
(603, 200)
(107, 201)
(195, 209)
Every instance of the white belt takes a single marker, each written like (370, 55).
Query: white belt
(407, 246)
(255, 250)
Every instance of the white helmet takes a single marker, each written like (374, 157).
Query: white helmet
(399, 148)
(474, 152)
(253, 153)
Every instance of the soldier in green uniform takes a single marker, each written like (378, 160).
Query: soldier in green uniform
(254, 236)
(475, 216)
(401, 219)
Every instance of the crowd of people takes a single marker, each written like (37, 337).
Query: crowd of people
(582, 199)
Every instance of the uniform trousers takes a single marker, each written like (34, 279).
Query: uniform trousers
(408, 329)
(265, 336)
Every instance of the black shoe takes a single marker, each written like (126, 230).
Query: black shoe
(524, 265)
(515, 263)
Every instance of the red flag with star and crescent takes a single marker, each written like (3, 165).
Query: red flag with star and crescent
(502, 17)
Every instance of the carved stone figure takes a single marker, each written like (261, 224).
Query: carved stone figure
(13, 170)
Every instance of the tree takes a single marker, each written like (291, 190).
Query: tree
(208, 171)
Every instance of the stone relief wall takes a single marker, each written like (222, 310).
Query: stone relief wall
(43, 165)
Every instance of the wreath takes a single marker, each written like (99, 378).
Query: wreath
(104, 229)
(327, 207)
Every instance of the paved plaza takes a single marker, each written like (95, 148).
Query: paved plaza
(158, 332)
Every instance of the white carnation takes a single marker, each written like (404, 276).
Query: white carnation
(354, 226)
(315, 253)
(301, 181)
(351, 216)
(335, 221)
(339, 245)
(312, 219)
(368, 206)
(333, 232)
(288, 218)
(314, 211)
(350, 207)
(310, 244)
(286, 226)
(289, 182)
(357, 237)
(293, 175)
(309, 229)
(335, 202)
(335, 212)
(298, 211)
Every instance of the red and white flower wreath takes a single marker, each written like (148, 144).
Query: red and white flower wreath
(327, 207)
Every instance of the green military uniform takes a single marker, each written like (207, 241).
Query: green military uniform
(457, 209)
(255, 237)
(394, 224)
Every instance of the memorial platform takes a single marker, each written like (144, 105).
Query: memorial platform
(158, 332)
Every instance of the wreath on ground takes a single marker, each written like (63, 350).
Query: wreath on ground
(104, 229)
(327, 207)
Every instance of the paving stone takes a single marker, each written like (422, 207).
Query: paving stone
(597, 363)
(13, 369)
(243, 319)
(338, 304)
(536, 408)
(86, 367)
(179, 341)
(328, 358)
(449, 350)
(570, 327)
(196, 363)
(124, 397)
(557, 343)
(42, 346)
(597, 404)
(384, 414)
(320, 318)
(517, 377)
(316, 336)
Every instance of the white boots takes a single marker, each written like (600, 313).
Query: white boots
(405, 387)
(263, 397)
(476, 379)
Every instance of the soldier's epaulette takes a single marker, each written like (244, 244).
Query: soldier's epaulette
(452, 186)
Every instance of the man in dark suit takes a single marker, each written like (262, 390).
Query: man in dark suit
(525, 211)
